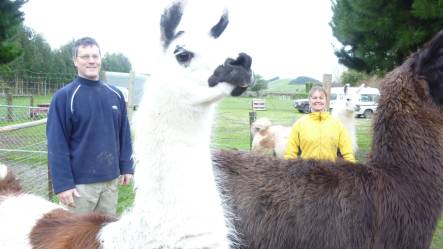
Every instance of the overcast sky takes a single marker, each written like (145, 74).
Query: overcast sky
(286, 38)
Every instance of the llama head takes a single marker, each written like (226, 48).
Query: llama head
(261, 124)
(194, 55)
(429, 66)
(351, 98)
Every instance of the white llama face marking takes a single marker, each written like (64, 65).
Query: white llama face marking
(195, 59)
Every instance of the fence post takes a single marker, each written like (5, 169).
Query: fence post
(10, 114)
(327, 82)
(31, 100)
(50, 193)
(252, 118)
(130, 106)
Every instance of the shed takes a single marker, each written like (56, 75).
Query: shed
(123, 80)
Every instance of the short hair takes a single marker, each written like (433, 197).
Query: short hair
(318, 88)
(82, 42)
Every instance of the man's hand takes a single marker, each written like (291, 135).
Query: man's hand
(67, 197)
(125, 179)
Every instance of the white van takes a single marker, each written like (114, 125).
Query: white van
(366, 103)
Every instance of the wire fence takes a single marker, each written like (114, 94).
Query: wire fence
(23, 145)
(25, 82)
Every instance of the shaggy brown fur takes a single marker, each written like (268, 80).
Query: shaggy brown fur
(10, 185)
(393, 201)
(61, 229)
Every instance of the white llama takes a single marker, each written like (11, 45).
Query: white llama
(177, 202)
(344, 109)
(269, 138)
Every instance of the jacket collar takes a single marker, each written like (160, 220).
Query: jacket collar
(319, 116)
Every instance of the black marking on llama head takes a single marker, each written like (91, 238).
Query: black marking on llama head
(430, 66)
(169, 21)
(218, 29)
(236, 72)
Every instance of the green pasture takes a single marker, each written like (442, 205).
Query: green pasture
(231, 130)
(19, 113)
(26, 100)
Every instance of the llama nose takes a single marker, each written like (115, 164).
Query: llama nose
(243, 60)
(236, 72)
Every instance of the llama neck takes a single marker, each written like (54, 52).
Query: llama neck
(176, 193)
(407, 144)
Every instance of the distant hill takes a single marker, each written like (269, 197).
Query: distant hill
(273, 79)
(304, 80)
(283, 86)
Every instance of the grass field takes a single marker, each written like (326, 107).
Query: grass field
(232, 131)
(25, 101)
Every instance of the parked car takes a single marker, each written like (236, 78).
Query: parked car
(302, 105)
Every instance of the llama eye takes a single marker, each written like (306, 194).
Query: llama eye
(184, 57)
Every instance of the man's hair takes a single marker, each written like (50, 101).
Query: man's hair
(83, 42)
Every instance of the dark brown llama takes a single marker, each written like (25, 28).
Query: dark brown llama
(393, 201)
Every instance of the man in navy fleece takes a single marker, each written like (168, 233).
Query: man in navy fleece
(89, 140)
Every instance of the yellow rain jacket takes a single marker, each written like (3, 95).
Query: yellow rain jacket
(319, 135)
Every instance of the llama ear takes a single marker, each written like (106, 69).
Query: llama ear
(218, 29)
(429, 65)
(168, 23)
(430, 53)
(360, 87)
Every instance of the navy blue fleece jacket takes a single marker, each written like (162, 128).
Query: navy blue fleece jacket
(88, 134)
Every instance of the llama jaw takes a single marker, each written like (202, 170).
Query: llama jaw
(236, 72)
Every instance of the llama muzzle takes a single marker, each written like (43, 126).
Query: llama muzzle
(236, 72)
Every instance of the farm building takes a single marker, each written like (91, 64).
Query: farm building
(123, 81)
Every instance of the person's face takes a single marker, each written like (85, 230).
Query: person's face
(88, 62)
(317, 101)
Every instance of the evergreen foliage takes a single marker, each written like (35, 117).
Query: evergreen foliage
(260, 85)
(353, 78)
(10, 21)
(116, 63)
(378, 35)
(37, 57)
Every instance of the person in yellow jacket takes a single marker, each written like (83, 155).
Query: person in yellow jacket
(319, 135)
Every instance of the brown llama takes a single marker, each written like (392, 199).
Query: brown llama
(393, 201)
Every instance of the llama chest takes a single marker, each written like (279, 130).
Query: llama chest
(180, 193)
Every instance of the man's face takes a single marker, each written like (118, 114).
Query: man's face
(88, 62)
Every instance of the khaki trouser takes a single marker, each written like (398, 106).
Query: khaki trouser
(97, 197)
